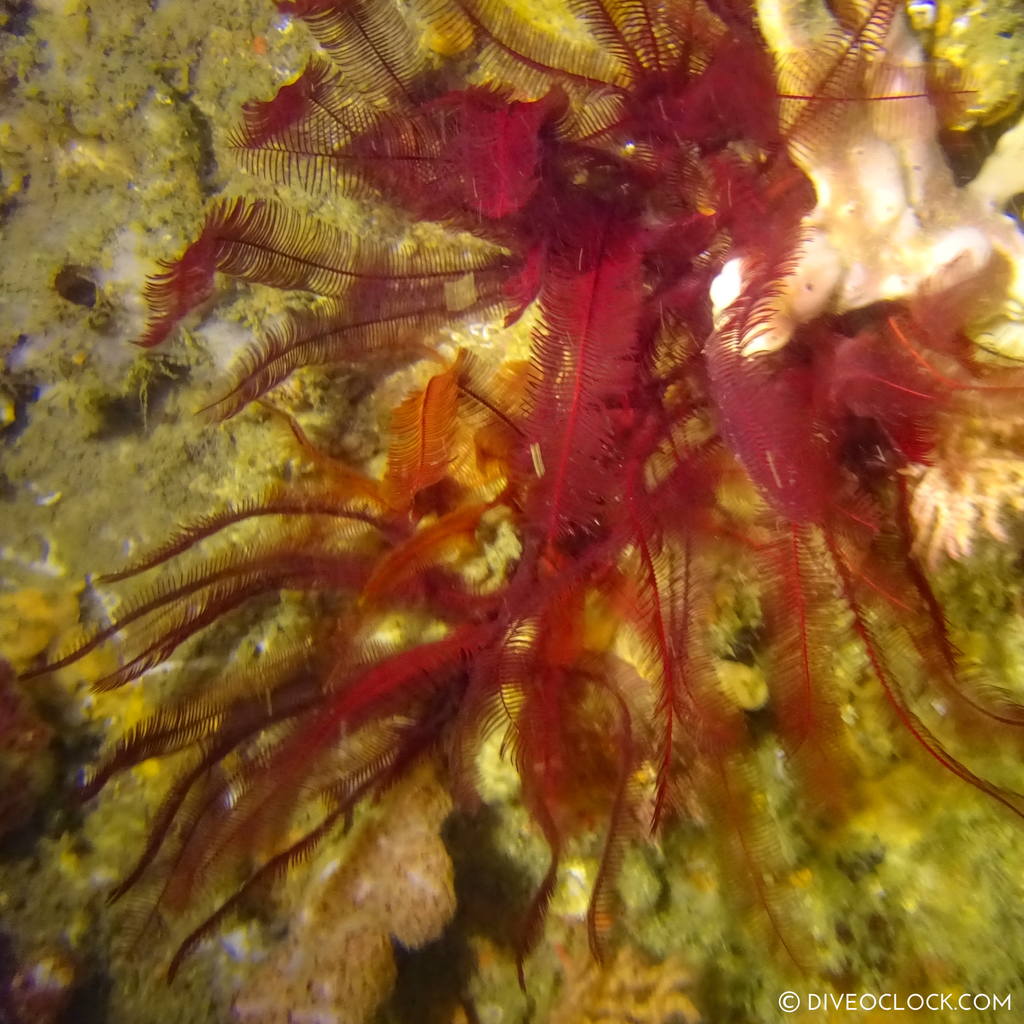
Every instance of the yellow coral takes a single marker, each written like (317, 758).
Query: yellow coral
(31, 619)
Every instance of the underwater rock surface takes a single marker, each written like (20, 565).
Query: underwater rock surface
(112, 143)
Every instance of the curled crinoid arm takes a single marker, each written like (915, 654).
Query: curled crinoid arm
(652, 38)
(366, 767)
(383, 330)
(326, 722)
(885, 642)
(765, 405)
(822, 66)
(461, 156)
(157, 623)
(349, 524)
(584, 353)
(295, 137)
(247, 700)
(561, 708)
(422, 428)
(437, 542)
(255, 699)
(231, 826)
(371, 44)
(799, 615)
(512, 50)
(306, 551)
(267, 244)
(666, 612)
